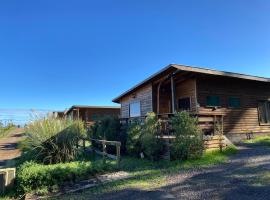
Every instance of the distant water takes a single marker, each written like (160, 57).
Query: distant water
(21, 116)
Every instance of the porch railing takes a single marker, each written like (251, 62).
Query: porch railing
(211, 124)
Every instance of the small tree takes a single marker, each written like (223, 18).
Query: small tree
(188, 143)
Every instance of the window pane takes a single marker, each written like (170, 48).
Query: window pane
(135, 109)
(263, 116)
(234, 102)
(213, 101)
(184, 104)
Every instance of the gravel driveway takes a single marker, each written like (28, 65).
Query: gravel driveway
(240, 179)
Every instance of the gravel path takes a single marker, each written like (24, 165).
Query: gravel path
(238, 179)
(8, 147)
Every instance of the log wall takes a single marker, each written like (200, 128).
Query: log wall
(236, 120)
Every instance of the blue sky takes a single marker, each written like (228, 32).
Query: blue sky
(54, 54)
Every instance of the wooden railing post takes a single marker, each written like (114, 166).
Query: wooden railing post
(104, 151)
(118, 150)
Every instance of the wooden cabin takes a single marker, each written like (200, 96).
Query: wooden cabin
(58, 114)
(240, 103)
(89, 114)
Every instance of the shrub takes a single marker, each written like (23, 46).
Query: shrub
(52, 140)
(144, 138)
(188, 143)
(32, 176)
(109, 128)
(134, 133)
(152, 145)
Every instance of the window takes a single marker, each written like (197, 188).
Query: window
(213, 101)
(264, 112)
(135, 109)
(234, 102)
(184, 104)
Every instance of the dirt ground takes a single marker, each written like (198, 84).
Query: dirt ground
(8, 147)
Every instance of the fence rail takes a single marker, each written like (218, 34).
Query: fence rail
(104, 153)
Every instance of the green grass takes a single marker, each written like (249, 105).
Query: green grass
(147, 175)
(259, 140)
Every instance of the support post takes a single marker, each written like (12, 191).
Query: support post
(173, 95)
(118, 147)
(158, 96)
(104, 151)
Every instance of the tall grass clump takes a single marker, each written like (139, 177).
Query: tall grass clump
(52, 140)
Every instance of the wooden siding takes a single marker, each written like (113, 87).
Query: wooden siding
(186, 89)
(143, 95)
(89, 115)
(240, 120)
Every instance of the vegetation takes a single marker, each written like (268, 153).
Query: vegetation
(189, 142)
(109, 128)
(259, 140)
(144, 138)
(36, 177)
(5, 130)
(52, 140)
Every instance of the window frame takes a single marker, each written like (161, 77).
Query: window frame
(267, 109)
(211, 106)
(140, 109)
(235, 97)
(190, 106)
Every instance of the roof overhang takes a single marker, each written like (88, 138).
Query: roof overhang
(90, 107)
(175, 67)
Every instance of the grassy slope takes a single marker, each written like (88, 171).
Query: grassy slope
(152, 175)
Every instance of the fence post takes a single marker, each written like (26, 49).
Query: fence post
(104, 151)
(118, 150)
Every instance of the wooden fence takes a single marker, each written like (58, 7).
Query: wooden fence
(104, 144)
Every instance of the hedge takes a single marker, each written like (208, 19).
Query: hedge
(32, 176)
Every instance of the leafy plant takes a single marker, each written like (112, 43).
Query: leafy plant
(52, 140)
(134, 133)
(145, 138)
(152, 144)
(188, 143)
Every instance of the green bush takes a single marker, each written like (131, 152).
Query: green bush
(134, 133)
(144, 138)
(33, 176)
(188, 143)
(109, 128)
(152, 145)
(52, 140)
